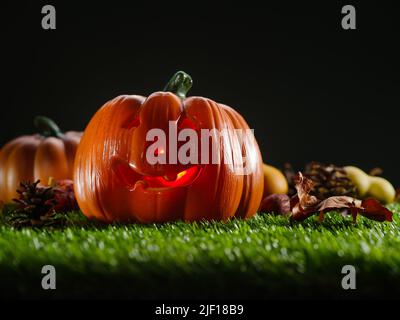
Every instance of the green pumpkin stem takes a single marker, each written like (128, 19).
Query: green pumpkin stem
(179, 84)
(47, 127)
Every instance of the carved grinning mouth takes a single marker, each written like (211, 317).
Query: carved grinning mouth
(132, 179)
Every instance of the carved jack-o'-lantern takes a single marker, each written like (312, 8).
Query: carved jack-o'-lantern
(116, 181)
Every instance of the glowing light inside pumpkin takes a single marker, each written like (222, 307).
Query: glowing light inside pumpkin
(183, 178)
(128, 176)
(159, 151)
(181, 174)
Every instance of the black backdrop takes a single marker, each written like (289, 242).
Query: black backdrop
(311, 90)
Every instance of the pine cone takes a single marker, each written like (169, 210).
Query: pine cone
(290, 175)
(34, 200)
(329, 181)
(38, 205)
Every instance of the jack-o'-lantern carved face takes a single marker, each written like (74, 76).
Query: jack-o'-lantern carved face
(145, 160)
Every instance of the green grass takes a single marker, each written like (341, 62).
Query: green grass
(264, 257)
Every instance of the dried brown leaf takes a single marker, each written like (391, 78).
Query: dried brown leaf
(372, 209)
(304, 205)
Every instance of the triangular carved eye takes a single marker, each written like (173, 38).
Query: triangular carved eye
(131, 122)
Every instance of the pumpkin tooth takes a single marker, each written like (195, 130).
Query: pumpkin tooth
(170, 177)
(140, 184)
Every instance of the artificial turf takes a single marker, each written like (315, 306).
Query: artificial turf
(263, 257)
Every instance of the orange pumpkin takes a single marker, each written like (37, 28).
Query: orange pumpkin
(40, 156)
(114, 181)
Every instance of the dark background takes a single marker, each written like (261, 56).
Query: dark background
(311, 90)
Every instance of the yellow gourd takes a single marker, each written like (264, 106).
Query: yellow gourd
(274, 181)
(371, 186)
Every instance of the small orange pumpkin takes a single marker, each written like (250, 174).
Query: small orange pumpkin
(48, 154)
(114, 180)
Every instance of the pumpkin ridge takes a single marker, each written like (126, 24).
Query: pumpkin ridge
(19, 151)
(249, 180)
